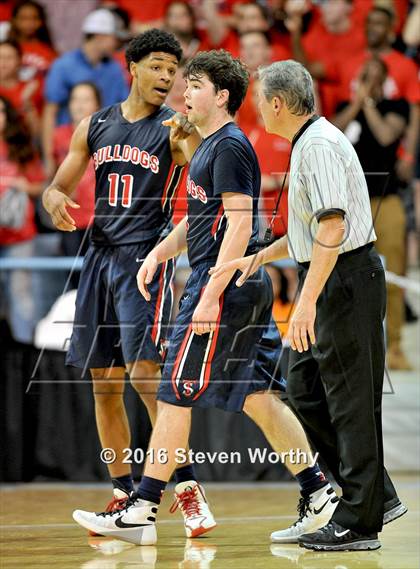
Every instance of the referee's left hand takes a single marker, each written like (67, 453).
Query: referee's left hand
(301, 326)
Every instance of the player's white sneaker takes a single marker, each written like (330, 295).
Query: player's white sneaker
(118, 502)
(135, 523)
(191, 500)
(315, 512)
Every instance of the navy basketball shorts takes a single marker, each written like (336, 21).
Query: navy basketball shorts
(114, 325)
(221, 369)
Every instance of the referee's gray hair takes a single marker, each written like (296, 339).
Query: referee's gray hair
(290, 81)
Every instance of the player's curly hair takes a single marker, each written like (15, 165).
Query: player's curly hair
(224, 71)
(152, 40)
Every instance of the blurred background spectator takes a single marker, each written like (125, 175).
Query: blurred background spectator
(325, 42)
(21, 180)
(92, 62)
(180, 19)
(401, 83)
(143, 15)
(375, 126)
(29, 28)
(84, 101)
(25, 96)
(249, 17)
(411, 31)
(273, 156)
(255, 51)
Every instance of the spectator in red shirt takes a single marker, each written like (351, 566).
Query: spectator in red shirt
(5, 10)
(84, 100)
(255, 51)
(180, 20)
(144, 14)
(345, 66)
(25, 96)
(273, 157)
(250, 17)
(331, 40)
(175, 98)
(29, 28)
(363, 7)
(21, 180)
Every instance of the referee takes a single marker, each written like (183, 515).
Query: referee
(336, 366)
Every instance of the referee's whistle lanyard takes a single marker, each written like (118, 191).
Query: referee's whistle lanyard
(268, 236)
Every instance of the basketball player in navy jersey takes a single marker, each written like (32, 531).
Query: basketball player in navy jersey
(213, 349)
(138, 168)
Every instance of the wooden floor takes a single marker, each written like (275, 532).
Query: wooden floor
(38, 532)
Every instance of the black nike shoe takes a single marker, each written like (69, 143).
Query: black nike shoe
(334, 537)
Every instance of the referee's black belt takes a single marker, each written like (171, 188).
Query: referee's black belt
(348, 254)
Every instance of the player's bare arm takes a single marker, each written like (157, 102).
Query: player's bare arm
(238, 210)
(250, 264)
(56, 197)
(174, 244)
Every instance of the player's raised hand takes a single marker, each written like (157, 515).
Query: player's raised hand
(56, 203)
(180, 127)
(247, 265)
(145, 275)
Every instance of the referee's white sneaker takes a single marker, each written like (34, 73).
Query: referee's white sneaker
(135, 523)
(191, 500)
(315, 512)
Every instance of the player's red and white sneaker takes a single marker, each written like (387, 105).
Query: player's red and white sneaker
(135, 523)
(191, 500)
(118, 502)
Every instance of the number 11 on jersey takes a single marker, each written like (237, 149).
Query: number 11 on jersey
(127, 190)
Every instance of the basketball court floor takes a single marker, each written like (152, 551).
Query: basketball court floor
(37, 532)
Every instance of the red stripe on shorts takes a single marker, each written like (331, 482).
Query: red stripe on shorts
(159, 301)
(167, 183)
(179, 358)
(211, 352)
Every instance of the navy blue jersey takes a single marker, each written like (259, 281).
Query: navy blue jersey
(224, 162)
(136, 179)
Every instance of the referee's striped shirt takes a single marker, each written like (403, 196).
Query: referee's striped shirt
(325, 177)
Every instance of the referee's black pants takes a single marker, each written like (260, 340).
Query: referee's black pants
(335, 388)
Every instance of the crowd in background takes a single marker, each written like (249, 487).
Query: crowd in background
(61, 61)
